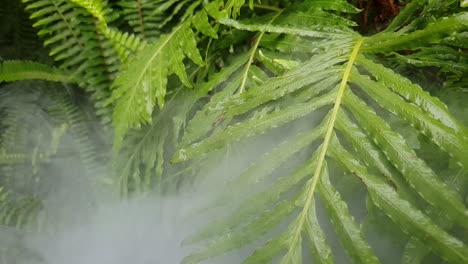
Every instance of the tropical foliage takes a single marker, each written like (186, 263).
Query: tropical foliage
(365, 107)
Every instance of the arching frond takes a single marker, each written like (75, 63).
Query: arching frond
(41, 126)
(17, 211)
(143, 81)
(79, 44)
(126, 44)
(345, 81)
(94, 7)
(361, 131)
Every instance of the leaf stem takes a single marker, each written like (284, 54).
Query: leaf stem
(266, 7)
(140, 16)
(254, 49)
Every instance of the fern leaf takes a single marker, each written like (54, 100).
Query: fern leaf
(227, 104)
(403, 179)
(125, 44)
(11, 71)
(201, 122)
(233, 7)
(143, 82)
(308, 199)
(17, 211)
(150, 19)
(248, 211)
(411, 92)
(321, 251)
(415, 170)
(403, 213)
(415, 251)
(201, 23)
(262, 170)
(319, 32)
(203, 119)
(77, 42)
(371, 155)
(350, 234)
(66, 112)
(94, 7)
(254, 126)
(405, 16)
(146, 149)
(444, 137)
(249, 233)
(430, 34)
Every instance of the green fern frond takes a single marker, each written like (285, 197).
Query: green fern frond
(341, 80)
(366, 118)
(144, 79)
(66, 113)
(434, 32)
(149, 19)
(125, 44)
(17, 211)
(233, 7)
(94, 7)
(79, 44)
(40, 124)
(147, 148)
(408, 218)
(11, 71)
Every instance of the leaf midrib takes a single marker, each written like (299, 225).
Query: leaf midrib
(254, 50)
(324, 148)
(158, 51)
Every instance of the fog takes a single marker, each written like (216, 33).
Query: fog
(147, 228)
(83, 221)
(141, 230)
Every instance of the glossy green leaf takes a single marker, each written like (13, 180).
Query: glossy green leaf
(144, 79)
(403, 213)
(253, 127)
(420, 176)
(347, 229)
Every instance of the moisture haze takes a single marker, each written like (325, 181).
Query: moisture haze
(86, 223)
(145, 229)
(142, 230)
(151, 228)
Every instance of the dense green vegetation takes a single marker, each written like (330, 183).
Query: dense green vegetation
(363, 104)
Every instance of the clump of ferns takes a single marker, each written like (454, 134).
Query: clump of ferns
(303, 60)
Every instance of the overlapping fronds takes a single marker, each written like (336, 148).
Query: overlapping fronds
(143, 81)
(170, 121)
(94, 7)
(146, 148)
(73, 122)
(151, 18)
(22, 155)
(124, 43)
(142, 158)
(79, 45)
(373, 129)
(17, 211)
(343, 79)
(40, 126)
